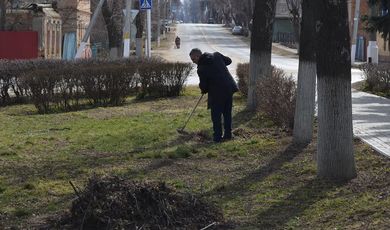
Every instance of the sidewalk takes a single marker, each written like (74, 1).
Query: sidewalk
(370, 113)
(371, 120)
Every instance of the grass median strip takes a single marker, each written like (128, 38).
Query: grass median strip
(258, 180)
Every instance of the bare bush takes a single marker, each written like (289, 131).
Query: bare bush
(243, 77)
(10, 72)
(276, 98)
(167, 80)
(377, 78)
(65, 85)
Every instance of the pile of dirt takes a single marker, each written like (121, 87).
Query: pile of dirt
(117, 203)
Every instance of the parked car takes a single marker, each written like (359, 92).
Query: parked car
(237, 30)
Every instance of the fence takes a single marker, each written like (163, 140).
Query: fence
(18, 45)
(282, 37)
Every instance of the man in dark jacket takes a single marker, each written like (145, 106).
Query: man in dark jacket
(216, 80)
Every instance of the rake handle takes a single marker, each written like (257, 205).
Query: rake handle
(192, 112)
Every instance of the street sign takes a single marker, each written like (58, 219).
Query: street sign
(145, 4)
(133, 14)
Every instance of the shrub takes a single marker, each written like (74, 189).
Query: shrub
(243, 78)
(5, 83)
(176, 75)
(276, 98)
(377, 78)
(10, 81)
(65, 85)
(277, 95)
(107, 85)
(160, 79)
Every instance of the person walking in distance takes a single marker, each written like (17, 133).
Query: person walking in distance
(177, 42)
(218, 83)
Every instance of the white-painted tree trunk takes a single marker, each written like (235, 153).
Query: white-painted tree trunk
(138, 47)
(261, 47)
(335, 157)
(304, 109)
(305, 104)
(259, 67)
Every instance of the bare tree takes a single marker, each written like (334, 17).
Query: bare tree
(294, 7)
(113, 16)
(261, 46)
(379, 23)
(335, 158)
(305, 104)
(140, 24)
(238, 11)
(3, 10)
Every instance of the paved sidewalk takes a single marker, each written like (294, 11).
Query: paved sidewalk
(371, 120)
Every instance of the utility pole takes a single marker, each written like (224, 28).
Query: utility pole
(147, 5)
(149, 32)
(355, 29)
(84, 41)
(126, 34)
(158, 23)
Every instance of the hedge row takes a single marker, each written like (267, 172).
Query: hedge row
(65, 85)
(377, 78)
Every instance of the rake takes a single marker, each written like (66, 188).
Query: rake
(181, 130)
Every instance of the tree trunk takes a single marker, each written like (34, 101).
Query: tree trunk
(305, 104)
(261, 47)
(335, 157)
(3, 10)
(294, 7)
(297, 27)
(112, 18)
(139, 22)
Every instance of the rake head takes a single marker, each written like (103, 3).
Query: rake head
(182, 131)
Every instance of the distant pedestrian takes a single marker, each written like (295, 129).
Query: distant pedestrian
(177, 42)
(215, 79)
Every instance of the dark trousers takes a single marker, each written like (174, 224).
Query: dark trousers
(217, 111)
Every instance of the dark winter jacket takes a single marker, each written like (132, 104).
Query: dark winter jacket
(215, 79)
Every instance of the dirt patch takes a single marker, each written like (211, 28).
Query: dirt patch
(116, 203)
(358, 85)
(201, 136)
(246, 133)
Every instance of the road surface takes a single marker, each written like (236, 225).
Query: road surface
(214, 37)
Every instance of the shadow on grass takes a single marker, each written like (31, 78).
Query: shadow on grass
(292, 207)
(240, 186)
(60, 110)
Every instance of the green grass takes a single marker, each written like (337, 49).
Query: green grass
(257, 179)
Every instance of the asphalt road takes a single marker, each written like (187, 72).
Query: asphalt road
(215, 37)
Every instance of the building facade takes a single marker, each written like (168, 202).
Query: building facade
(66, 20)
(283, 30)
(76, 15)
(363, 37)
(43, 19)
